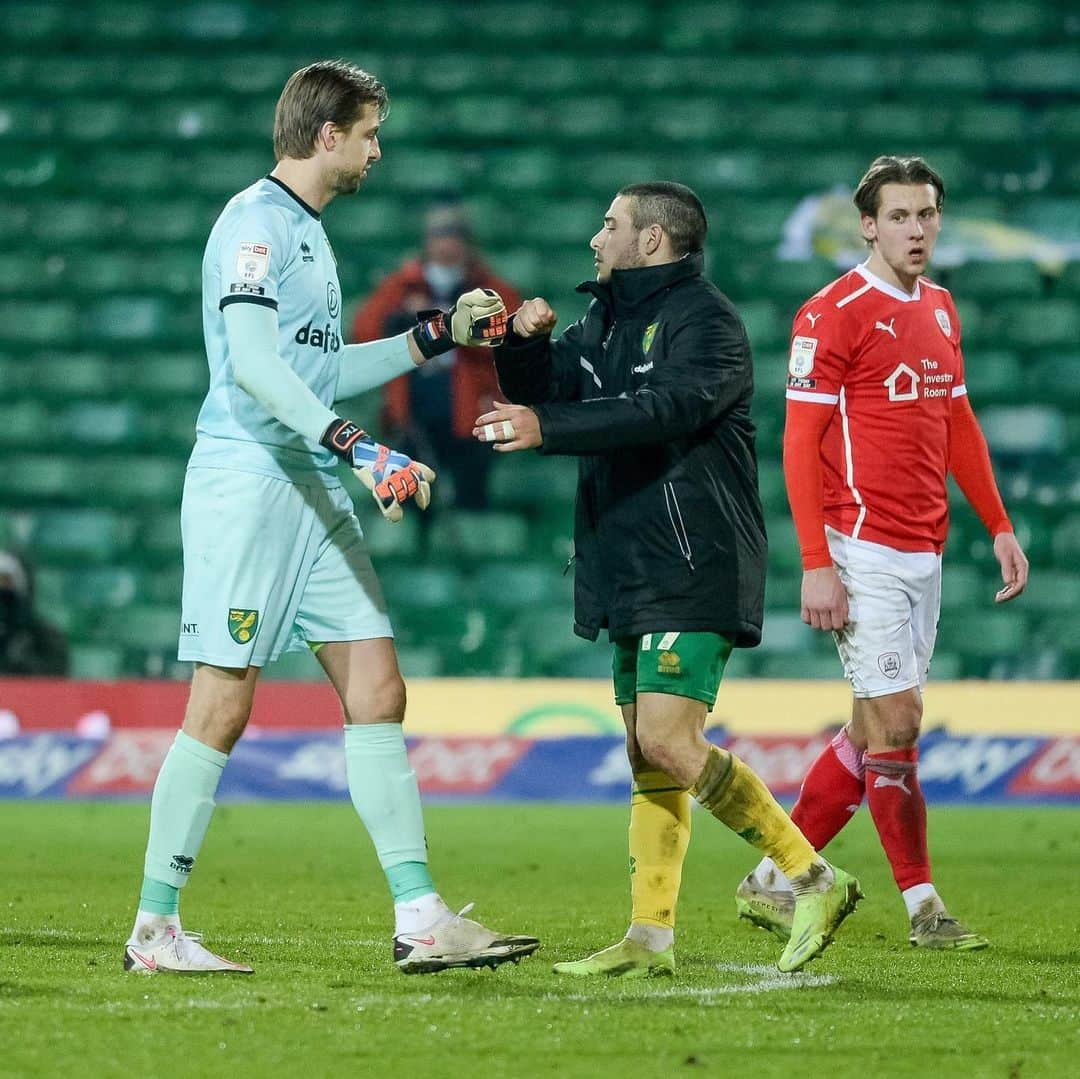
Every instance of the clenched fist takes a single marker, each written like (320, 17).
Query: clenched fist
(534, 318)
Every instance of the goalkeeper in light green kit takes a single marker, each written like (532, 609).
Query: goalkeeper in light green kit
(274, 557)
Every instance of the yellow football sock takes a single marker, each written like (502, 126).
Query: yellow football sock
(732, 792)
(659, 836)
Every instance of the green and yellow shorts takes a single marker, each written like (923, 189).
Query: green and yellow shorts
(684, 664)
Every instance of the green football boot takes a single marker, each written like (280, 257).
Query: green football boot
(767, 908)
(817, 917)
(627, 959)
(941, 931)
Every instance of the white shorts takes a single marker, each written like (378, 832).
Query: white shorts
(270, 565)
(894, 600)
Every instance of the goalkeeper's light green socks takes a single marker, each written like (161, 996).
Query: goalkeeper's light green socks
(384, 791)
(180, 813)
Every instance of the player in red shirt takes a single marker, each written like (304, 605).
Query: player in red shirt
(877, 417)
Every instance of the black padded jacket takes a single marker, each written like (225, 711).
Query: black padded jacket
(651, 391)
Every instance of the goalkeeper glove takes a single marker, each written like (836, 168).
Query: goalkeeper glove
(391, 477)
(477, 319)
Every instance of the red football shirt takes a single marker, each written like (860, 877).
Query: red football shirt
(887, 367)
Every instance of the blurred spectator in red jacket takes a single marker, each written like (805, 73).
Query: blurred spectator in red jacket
(429, 413)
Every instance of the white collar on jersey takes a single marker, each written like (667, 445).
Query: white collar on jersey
(889, 290)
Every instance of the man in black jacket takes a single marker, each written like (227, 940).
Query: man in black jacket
(651, 391)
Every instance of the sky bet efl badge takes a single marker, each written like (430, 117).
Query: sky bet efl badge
(802, 356)
(242, 624)
(252, 261)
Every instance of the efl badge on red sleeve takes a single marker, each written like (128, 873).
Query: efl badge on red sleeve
(803, 350)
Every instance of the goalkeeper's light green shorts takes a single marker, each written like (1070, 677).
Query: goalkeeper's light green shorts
(270, 565)
(682, 664)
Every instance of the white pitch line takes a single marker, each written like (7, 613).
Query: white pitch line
(769, 980)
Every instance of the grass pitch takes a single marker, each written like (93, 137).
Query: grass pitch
(296, 891)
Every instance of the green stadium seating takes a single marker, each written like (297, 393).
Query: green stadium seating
(995, 123)
(110, 181)
(98, 663)
(19, 274)
(30, 479)
(996, 280)
(421, 587)
(165, 374)
(80, 536)
(782, 591)
(986, 634)
(784, 633)
(135, 481)
(994, 375)
(392, 542)
(72, 375)
(159, 537)
(140, 626)
(949, 73)
(424, 661)
(784, 554)
(962, 587)
(592, 661)
(548, 642)
(525, 481)
(946, 666)
(1051, 70)
(480, 536)
(103, 423)
(511, 586)
(126, 318)
(21, 423)
(29, 323)
(774, 665)
(1024, 429)
(1066, 541)
(1051, 376)
(1054, 591)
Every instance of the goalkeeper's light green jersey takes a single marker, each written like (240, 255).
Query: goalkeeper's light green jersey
(268, 248)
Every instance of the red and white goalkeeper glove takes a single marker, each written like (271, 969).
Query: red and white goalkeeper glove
(391, 477)
(477, 320)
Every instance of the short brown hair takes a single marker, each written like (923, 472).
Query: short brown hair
(674, 207)
(328, 90)
(894, 170)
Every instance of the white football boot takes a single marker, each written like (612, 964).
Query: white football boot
(455, 941)
(177, 952)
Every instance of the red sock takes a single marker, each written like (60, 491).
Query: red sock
(831, 792)
(899, 812)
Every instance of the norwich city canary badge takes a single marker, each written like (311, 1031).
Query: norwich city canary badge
(648, 336)
(242, 624)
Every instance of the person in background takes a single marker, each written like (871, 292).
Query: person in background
(878, 416)
(429, 412)
(28, 644)
(651, 391)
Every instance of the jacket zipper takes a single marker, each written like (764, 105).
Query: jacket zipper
(678, 526)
